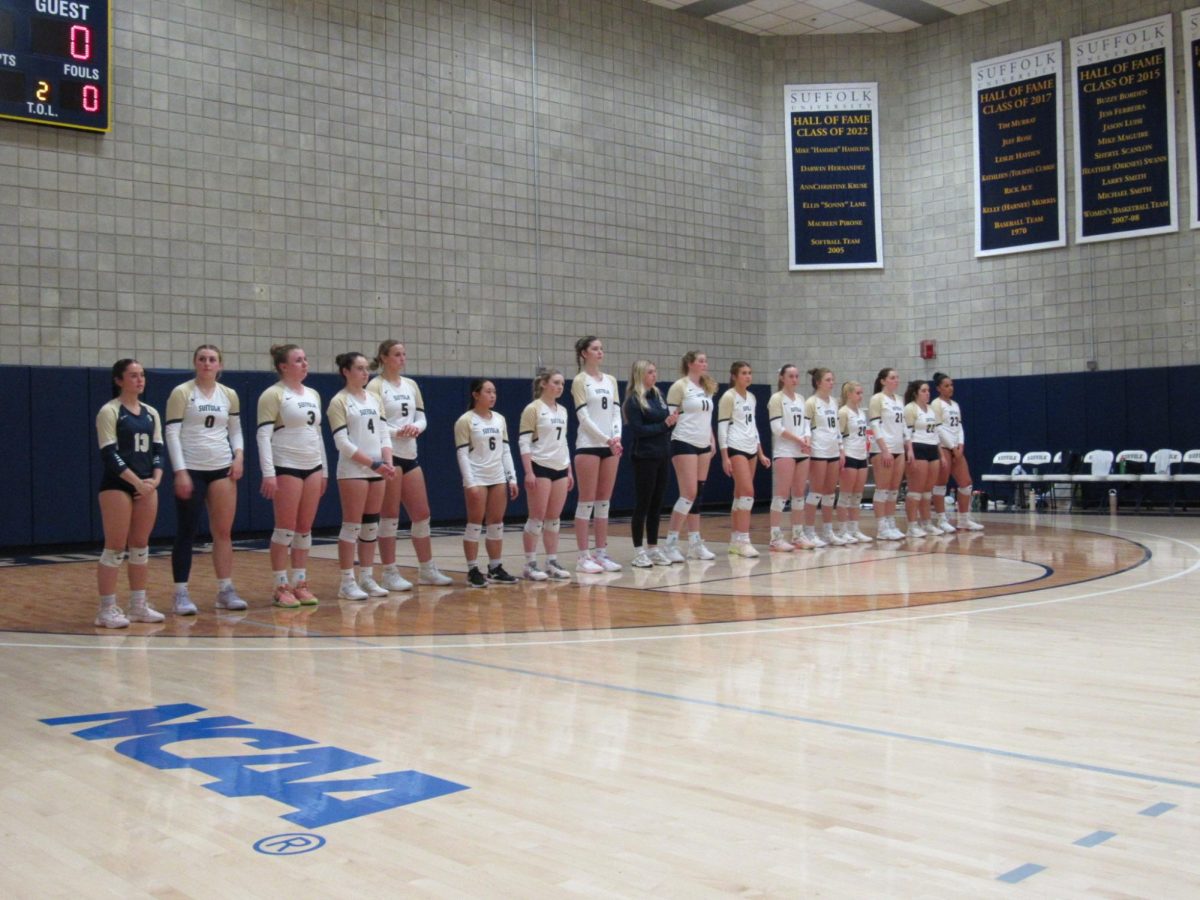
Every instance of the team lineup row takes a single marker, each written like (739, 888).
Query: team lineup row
(820, 451)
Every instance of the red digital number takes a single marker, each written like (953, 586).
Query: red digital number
(81, 42)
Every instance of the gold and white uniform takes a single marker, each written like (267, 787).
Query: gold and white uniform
(357, 424)
(950, 423)
(289, 429)
(694, 425)
(887, 422)
(203, 431)
(598, 410)
(543, 435)
(736, 425)
(826, 438)
(482, 444)
(787, 415)
(402, 405)
(922, 424)
(852, 423)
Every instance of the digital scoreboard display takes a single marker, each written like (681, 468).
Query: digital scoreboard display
(54, 62)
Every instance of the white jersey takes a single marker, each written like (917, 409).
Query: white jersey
(853, 425)
(402, 405)
(950, 423)
(483, 455)
(695, 406)
(887, 421)
(357, 424)
(543, 435)
(598, 410)
(289, 429)
(787, 415)
(203, 430)
(826, 438)
(736, 425)
(922, 424)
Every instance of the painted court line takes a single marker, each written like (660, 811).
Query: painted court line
(1020, 873)
(1157, 809)
(1096, 837)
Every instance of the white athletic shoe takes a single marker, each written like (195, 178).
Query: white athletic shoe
(368, 584)
(969, 524)
(800, 541)
(672, 552)
(600, 555)
(810, 535)
(860, 537)
(946, 525)
(394, 581)
(428, 573)
(779, 545)
(141, 611)
(588, 566)
(227, 598)
(697, 550)
(915, 531)
(930, 528)
(351, 591)
(641, 560)
(744, 549)
(557, 572)
(111, 617)
(659, 558)
(531, 572)
(181, 603)
(829, 536)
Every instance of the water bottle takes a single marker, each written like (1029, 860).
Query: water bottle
(1112, 501)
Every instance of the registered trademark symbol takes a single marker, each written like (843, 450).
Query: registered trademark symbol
(289, 844)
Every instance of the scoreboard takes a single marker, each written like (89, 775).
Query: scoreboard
(54, 62)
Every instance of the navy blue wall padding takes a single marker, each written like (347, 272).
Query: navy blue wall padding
(65, 453)
(1180, 384)
(1026, 412)
(1147, 411)
(1066, 412)
(16, 475)
(1106, 411)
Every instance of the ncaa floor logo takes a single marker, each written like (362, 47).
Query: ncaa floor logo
(146, 733)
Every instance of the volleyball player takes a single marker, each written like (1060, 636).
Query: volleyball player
(954, 457)
(886, 419)
(852, 422)
(923, 458)
(690, 398)
(790, 449)
(131, 444)
(649, 424)
(597, 451)
(295, 473)
(204, 440)
(827, 459)
(489, 482)
(741, 451)
(404, 409)
(543, 444)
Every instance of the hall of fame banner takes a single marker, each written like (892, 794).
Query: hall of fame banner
(833, 176)
(1191, 39)
(1020, 177)
(1124, 132)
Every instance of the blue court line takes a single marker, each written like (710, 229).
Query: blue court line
(1020, 873)
(1096, 837)
(1157, 809)
(808, 720)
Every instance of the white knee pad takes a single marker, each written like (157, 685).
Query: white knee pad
(743, 503)
(583, 510)
(827, 501)
(602, 509)
(533, 526)
(112, 558)
(495, 531)
(552, 525)
(472, 532)
(682, 506)
(420, 529)
(302, 541)
(370, 532)
(797, 501)
(916, 496)
(389, 527)
(283, 536)
(939, 490)
(139, 556)
(350, 532)
(842, 501)
(882, 496)
(965, 490)
(854, 499)
(778, 504)
(812, 498)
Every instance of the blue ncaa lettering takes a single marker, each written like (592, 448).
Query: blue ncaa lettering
(147, 732)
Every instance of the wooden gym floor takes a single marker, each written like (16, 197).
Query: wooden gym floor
(988, 714)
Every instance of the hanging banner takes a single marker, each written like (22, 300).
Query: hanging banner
(833, 176)
(1020, 177)
(1191, 41)
(1124, 132)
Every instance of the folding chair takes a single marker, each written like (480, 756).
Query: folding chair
(1161, 470)
(1001, 473)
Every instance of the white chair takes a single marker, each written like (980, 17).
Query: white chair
(1033, 463)
(1187, 479)
(1097, 464)
(1131, 465)
(1001, 473)
(1163, 467)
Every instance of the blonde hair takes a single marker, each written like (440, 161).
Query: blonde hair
(707, 382)
(779, 378)
(636, 389)
(384, 348)
(848, 389)
(541, 379)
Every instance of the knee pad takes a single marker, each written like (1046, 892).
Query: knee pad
(916, 496)
(472, 532)
(533, 526)
(583, 510)
(842, 501)
(112, 558)
(552, 525)
(966, 489)
(812, 498)
(854, 499)
(882, 496)
(797, 501)
(682, 506)
(350, 532)
(602, 509)
(388, 527)
(283, 536)
(827, 501)
(302, 541)
(743, 503)
(420, 529)
(139, 556)
(495, 531)
(778, 503)
(939, 490)
(370, 531)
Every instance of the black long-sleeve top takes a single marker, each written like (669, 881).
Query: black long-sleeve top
(648, 428)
